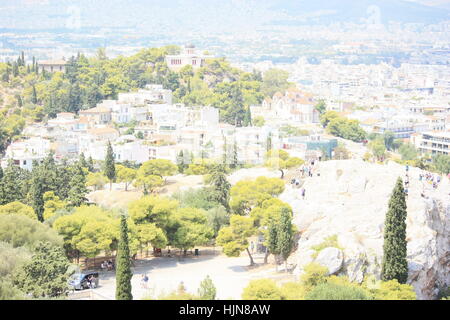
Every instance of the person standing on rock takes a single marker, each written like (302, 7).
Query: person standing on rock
(303, 193)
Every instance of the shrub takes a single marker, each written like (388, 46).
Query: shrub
(293, 291)
(11, 258)
(332, 291)
(18, 208)
(22, 231)
(314, 275)
(262, 289)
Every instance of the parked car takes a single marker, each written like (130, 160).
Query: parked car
(79, 281)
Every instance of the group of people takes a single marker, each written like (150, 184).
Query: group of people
(107, 265)
(431, 179)
(307, 170)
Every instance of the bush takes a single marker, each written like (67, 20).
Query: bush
(11, 258)
(22, 231)
(263, 289)
(393, 290)
(46, 274)
(314, 275)
(207, 290)
(195, 198)
(18, 208)
(9, 292)
(332, 291)
(293, 291)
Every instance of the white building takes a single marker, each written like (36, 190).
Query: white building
(294, 107)
(188, 57)
(432, 142)
(23, 153)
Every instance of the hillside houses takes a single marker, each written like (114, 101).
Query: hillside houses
(294, 107)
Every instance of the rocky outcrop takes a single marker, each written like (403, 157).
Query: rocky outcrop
(349, 200)
(331, 258)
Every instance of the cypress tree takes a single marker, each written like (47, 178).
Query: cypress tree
(180, 161)
(285, 235)
(90, 164)
(123, 271)
(82, 161)
(1, 184)
(63, 177)
(34, 98)
(220, 187)
(12, 188)
(272, 246)
(110, 167)
(37, 191)
(225, 151)
(15, 69)
(234, 160)
(395, 265)
(269, 142)
(78, 190)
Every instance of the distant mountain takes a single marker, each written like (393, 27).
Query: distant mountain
(329, 11)
(192, 16)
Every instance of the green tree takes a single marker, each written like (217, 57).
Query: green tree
(88, 231)
(21, 231)
(259, 121)
(285, 235)
(34, 98)
(262, 289)
(157, 167)
(389, 138)
(219, 186)
(234, 239)
(378, 148)
(13, 184)
(82, 161)
(125, 175)
(274, 80)
(96, 180)
(395, 265)
(441, 163)
(109, 166)
(408, 151)
(207, 290)
(321, 106)
(123, 273)
(78, 190)
(46, 274)
(90, 163)
(181, 163)
(188, 228)
(272, 241)
(52, 204)
(18, 208)
(280, 160)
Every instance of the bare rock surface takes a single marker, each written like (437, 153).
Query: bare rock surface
(349, 200)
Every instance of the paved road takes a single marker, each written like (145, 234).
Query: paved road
(230, 275)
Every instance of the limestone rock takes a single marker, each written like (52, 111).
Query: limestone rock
(350, 200)
(331, 258)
